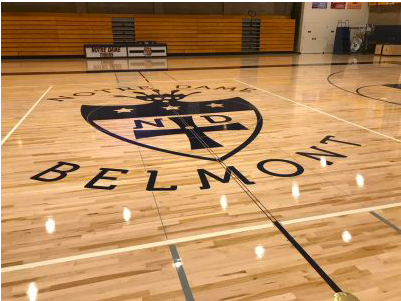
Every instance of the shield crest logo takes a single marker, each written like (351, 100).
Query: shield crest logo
(209, 130)
(147, 51)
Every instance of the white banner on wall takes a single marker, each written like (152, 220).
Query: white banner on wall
(103, 51)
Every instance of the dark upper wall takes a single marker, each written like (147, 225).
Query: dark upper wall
(262, 8)
(227, 8)
(119, 7)
(39, 7)
(190, 8)
(385, 15)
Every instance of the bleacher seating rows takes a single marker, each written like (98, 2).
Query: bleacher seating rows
(45, 34)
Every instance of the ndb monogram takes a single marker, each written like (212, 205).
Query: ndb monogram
(215, 113)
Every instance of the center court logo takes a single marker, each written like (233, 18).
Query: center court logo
(208, 130)
(177, 123)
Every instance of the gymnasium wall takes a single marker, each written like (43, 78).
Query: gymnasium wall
(54, 34)
(318, 26)
(386, 19)
(385, 15)
(215, 8)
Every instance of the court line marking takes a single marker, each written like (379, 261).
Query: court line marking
(166, 69)
(266, 211)
(328, 78)
(191, 238)
(385, 221)
(25, 116)
(319, 111)
(186, 288)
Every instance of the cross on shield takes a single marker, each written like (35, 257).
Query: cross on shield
(196, 135)
(147, 124)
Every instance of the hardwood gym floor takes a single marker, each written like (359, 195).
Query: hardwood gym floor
(172, 183)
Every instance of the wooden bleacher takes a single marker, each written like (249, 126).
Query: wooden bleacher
(45, 34)
(277, 34)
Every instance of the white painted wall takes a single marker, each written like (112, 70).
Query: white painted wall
(318, 26)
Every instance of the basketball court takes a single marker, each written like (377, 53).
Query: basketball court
(223, 177)
(166, 185)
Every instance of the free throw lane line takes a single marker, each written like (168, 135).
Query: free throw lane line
(25, 116)
(190, 238)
